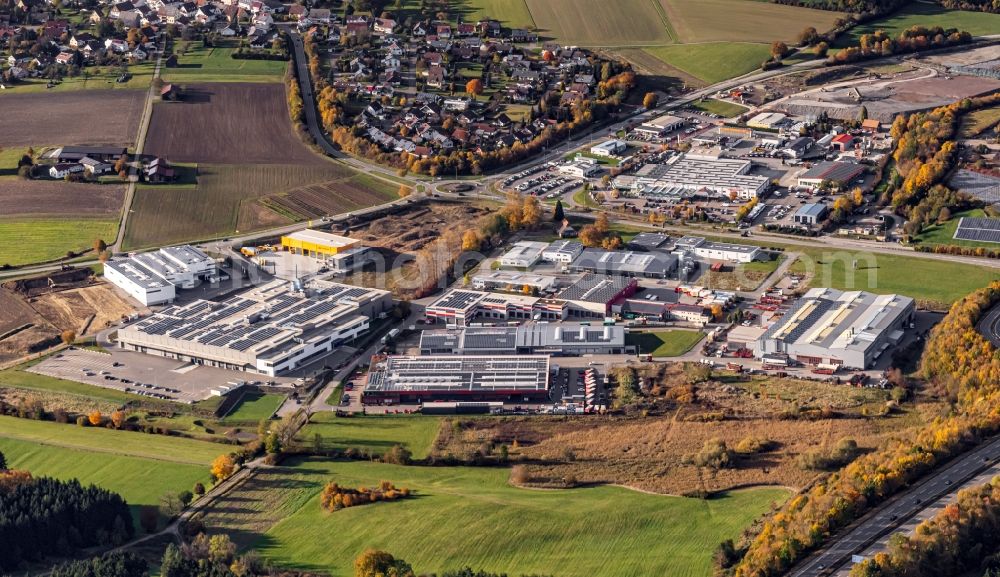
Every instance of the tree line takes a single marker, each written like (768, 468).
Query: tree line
(913, 39)
(961, 365)
(45, 517)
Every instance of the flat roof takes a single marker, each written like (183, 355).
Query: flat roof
(625, 261)
(595, 288)
(154, 269)
(813, 209)
(473, 340)
(649, 240)
(528, 250)
(836, 170)
(259, 323)
(834, 319)
(664, 121)
(444, 374)
(323, 238)
(699, 242)
(696, 173)
(563, 245)
(514, 278)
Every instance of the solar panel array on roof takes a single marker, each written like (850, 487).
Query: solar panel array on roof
(822, 306)
(978, 229)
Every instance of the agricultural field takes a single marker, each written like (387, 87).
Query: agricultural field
(198, 64)
(52, 198)
(237, 123)
(742, 20)
(926, 14)
(669, 343)
(591, 531)
(714, 61)
(253, 407)
(598, 23)
(375, 434)
(979, 121)
(45, 239)
(141, 481)
(511, 13)
(95, 117)
(109, 441)
(239, 162)
(91, 79)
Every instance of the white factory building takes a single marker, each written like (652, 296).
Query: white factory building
(661, 125)
(523, 254)
(719, 250)
(563, 251)
(153, 278)
(609, 148)
(271, 329)
(845, 328)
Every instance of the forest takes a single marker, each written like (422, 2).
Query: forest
(43, 517)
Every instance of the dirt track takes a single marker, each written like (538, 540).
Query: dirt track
(80, 117)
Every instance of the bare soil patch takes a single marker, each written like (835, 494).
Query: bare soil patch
(237, 123)
(42, 197)
(80, 117)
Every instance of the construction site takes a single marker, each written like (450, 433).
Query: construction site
(37, 310)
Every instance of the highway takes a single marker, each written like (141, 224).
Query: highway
(917, 502)
(989, 325)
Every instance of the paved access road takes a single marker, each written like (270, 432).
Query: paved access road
(915, 502)
(989, 325)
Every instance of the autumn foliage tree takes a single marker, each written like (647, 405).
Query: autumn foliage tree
(650, 100)
(223, 467)
(334, 497)
(474, 87)
(95, 418)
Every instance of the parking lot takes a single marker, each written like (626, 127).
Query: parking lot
(144, 375)
(542, 181)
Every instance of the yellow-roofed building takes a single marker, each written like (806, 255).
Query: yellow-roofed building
(318, 244)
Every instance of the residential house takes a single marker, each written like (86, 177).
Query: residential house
(116, 45)
(119, 8)
(263, 21)
(384, 25)
(419, 30)
(442, 30)
(63, 169)
(321, 16)
(435, 77)
(159, 171)
(95, 167)
(81, 38)
(297, 11)
(65, 58)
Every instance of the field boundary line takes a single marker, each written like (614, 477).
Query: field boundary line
(527, 9)
(667, 25)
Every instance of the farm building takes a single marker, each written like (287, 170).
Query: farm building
(78, 153)
(413, 380)
(153, 277)
(339, 252)
(719, 250)
(523, 254)
(529, 338)
(563, 251)
(810, 214)
(828, 326)
(625, 263)
(661, 125)
(840, 174)
(269, 329)
(609, 148)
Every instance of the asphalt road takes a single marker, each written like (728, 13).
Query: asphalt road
(911, 503)
(989, 325)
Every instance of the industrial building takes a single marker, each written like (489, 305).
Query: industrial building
(419, 379)
(709, 176)
(827, 326)
(840, 174)
(719, 250)
(661, 125)
(530, 338)
(339, 252)
(563, 251)
(647, 241)
(810, 214)
(767, 120)
(590, 297)
(153, 278)
(609, 148)
(625, 263)
(512, 281)
(523, 254)
(581, 167)
(270, 329)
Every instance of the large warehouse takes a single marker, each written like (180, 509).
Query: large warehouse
(718, 177)
(840, 174)
(339, 252)
(270, 329)
(719, 250)
(529, 338)
(153, 277)
(414, 380)
(625, 263)
(828, 326)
